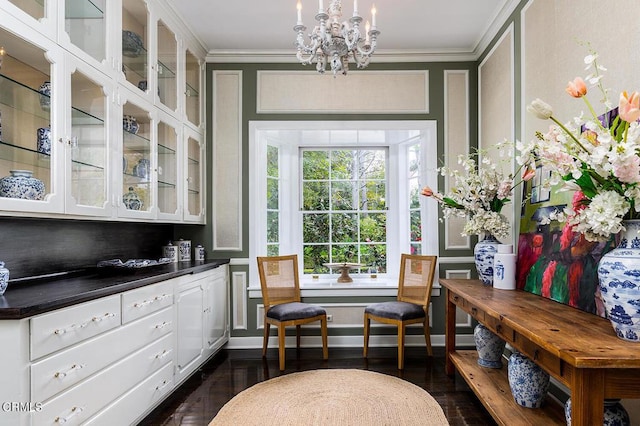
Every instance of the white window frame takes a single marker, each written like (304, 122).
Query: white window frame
(289, 140)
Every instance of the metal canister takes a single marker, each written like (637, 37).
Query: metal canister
(199, 253)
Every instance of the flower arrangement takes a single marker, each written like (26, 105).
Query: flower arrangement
(596, 155)
(479, 193)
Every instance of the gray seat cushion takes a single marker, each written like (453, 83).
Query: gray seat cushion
(294, 310)
(396, 310)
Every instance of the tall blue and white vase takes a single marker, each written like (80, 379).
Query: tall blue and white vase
(614, 413)
(483, 253)
(489, 346)
(4, 278)
(619, 277)
(529, 383)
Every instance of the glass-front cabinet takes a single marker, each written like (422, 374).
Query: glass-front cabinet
(28, 155)
(192, 90)
(167, 67)
(169, 186)
(85, 25)
(135, 43)
(194, 203)
(34, 8)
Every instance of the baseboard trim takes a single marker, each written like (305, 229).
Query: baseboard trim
(255, 342)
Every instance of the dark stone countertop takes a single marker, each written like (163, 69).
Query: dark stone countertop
(26, 298)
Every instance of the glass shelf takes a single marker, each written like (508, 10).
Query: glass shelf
(165, 72)
(165, 150)
(193, 191)
(166, 185)
(137, 65)
(130, 179)
(82, 9)
(21, 155)
(24, 99)
(193, 161)
(81, 118)
(191, 91)
(136, 143)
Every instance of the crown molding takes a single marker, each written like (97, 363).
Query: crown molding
(494, 27)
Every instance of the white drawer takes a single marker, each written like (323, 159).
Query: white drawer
(84, 400)
(58, 372)
(130, 407)
(145, 300)
(65, 327)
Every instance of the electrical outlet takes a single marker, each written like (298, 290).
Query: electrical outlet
(329, 318)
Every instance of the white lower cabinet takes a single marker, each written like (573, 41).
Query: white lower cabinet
(110, 361)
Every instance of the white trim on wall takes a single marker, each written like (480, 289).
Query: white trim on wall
(239, 286)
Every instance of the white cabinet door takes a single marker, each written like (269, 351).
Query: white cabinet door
(216, 310)
(190, 326)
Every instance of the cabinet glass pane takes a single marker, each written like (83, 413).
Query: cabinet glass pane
(193, 176)
(167, 168)
(192, 91)
(167, 66)
(89, 142)
(135, 58)
(34, 8)
(136, 161)
(25, 112)
(85, 24)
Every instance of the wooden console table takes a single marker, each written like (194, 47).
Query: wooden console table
(577, 348)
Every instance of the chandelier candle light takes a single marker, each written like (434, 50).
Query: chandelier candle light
(336, 40)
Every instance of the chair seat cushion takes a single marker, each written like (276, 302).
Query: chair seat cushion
(294, 310)
(401, 311)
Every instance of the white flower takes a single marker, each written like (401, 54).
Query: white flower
(540, 109)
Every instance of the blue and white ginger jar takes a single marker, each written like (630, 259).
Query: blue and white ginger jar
(21, 184)
(619, 277)
(131, 200)
(483, 253)
(44, 140)
(614, 413)
(4, 278)
(130, 124)
(142, 169)
(489, 346)
(529, 383)
(45, 95)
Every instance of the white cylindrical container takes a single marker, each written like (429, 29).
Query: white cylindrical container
(504, 268)
(170, 251)
(199, 253)
(184, 250)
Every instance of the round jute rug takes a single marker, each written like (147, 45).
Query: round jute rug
(332, 397)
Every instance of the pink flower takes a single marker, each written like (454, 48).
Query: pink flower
(628, 171)
(427, 192)
(629, 106)
(528, 174)
(577, 88)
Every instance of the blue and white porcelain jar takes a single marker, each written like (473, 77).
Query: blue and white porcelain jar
(483, 253)
(142, 169)
(4, 278)
(130, 124)
(614, 413)
(132, 44)
(44, 140)
(529, 383)
(21, 184)
(131, 200)
(619, 277)
(45, 95)
(489, 346)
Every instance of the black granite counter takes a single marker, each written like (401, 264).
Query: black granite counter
(27, 298)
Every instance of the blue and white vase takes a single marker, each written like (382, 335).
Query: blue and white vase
(45, 95)
(142, 169)
(614, 413)
(44, 140)
(131, 200)
(529, 383)
(483, 253)
(132, 44)
(619, 277)
(489, 346)
(4, 278)
(130, 124)
(21, 184)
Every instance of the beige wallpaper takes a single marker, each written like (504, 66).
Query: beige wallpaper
(496, 94)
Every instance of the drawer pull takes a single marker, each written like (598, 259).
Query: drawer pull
(74, 412)
(162, 297)
(163, 354)
(74, 367)
(162, 385)
(163, 325)
(74, 327)
(105, 316)
(142, 304)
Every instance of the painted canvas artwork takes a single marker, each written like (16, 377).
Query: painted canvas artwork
(553, 261)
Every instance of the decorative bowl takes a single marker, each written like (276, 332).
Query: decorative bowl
(131, 44)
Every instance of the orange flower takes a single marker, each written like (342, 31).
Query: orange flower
(629, 106)
(577, 88)
(427, 192)
(528, 174)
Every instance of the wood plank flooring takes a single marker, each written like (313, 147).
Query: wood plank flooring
(198, 400)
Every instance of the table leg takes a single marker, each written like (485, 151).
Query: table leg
(587, 396)
(450, 333)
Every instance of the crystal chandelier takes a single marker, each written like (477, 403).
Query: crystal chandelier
(335, 40)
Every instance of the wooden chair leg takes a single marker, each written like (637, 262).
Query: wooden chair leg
(400, 346)
(281, 348)
(265, 340)
(298, 336)
(427, 336)
(367, 322)
(323, 330)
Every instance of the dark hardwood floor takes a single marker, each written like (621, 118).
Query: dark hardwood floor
(198, 400)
